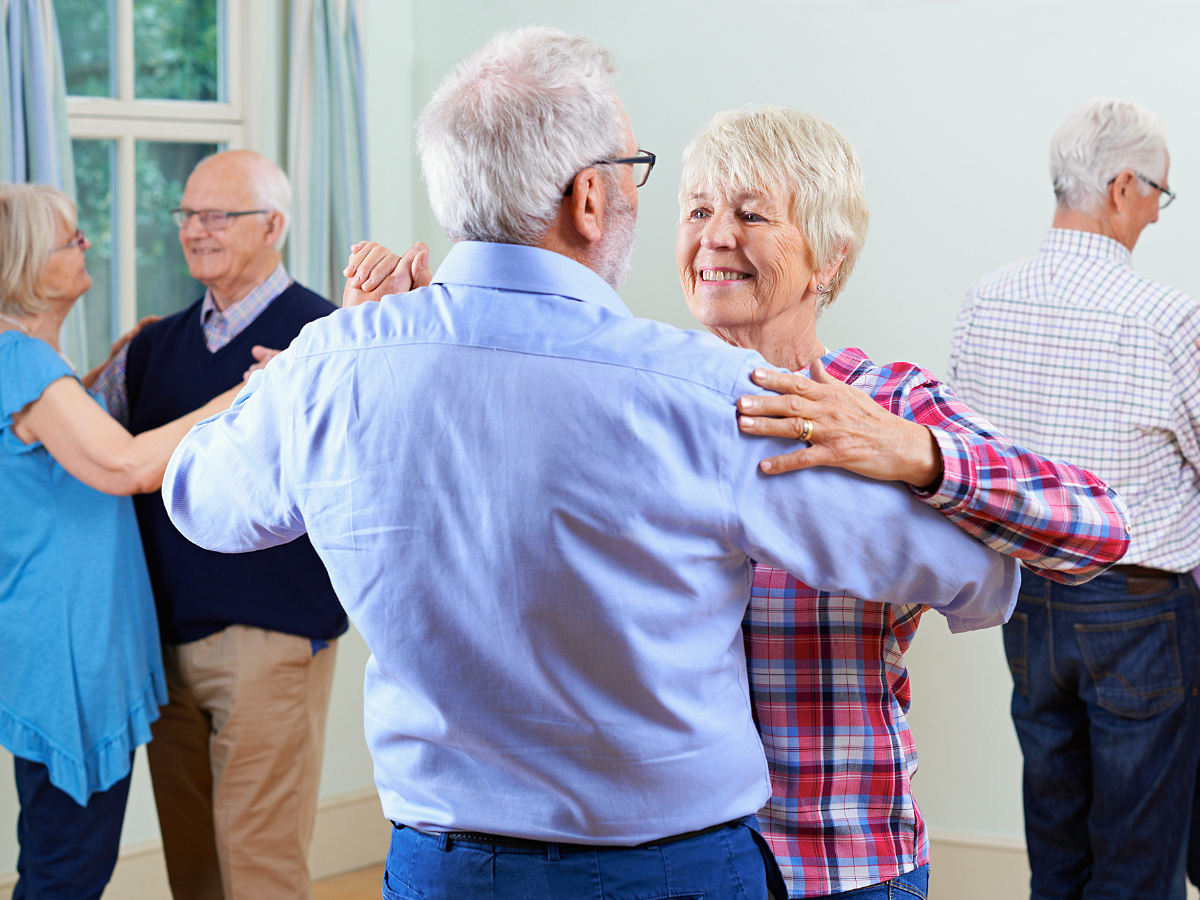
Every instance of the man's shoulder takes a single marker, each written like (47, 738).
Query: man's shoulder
(167, 326)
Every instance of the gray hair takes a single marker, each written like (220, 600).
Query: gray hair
(272, 190)
(769, 150)
(1096, 143)
(508, 129)
(30, 215)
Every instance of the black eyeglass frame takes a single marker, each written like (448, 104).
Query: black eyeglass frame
(182, 216)
(1163, 192)
(644, 157)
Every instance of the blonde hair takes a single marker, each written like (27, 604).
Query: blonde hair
(768, 150)
(30, 216)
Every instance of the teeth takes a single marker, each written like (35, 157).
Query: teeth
(722, 275)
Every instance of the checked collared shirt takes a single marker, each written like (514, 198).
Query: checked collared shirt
(827, 674)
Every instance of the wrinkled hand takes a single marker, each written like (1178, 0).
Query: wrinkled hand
(262, 356)
(374, 271)
(847, 429)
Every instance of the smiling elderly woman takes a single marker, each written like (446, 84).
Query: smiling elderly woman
(81, 676)
(773, 217)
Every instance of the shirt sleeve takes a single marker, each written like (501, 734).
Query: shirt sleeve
(240, 453)
(29, 366)
(111, 386)
(1058, 519)
(841, 533)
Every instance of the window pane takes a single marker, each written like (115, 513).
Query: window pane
(176, 49)
(94, 164)
(87, 39)
(163, 283)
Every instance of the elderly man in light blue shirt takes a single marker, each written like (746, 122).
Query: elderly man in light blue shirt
(541, 516)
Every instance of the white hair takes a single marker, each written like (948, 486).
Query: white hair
(795, 155)
(511, 126)
(1099, 141)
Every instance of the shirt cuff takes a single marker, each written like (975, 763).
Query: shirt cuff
(958, 473)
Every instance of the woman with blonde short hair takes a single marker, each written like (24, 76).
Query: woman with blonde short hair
(81, 676)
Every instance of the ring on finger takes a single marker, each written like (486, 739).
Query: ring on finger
(806, 431)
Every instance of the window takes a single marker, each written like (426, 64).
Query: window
(153, 86)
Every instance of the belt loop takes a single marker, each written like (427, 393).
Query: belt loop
(552, 851)
(444, 842)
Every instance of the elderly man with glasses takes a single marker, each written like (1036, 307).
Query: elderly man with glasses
(1075, 355)
(248, 640)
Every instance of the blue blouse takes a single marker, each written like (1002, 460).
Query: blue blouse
(81, 674)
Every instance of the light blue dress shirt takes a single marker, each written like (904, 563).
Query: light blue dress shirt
(540, 515)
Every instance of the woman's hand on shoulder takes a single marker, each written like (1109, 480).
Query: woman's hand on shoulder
(843, 426)
(373, 271)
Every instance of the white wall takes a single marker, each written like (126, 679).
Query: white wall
(951, 105)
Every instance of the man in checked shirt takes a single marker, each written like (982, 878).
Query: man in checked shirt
(249, 639)
(1076, 355)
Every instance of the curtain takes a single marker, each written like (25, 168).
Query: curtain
(326, 141)
(35, 143)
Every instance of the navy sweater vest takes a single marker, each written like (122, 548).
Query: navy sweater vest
(171, 372)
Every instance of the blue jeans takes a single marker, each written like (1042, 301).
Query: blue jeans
(902, 887)
(1105, 683)
(730, 864)
(67, 851)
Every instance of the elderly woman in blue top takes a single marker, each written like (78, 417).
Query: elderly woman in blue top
(81, 677)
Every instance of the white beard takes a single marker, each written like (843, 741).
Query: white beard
(614, 254)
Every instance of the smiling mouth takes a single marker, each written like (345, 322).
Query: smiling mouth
(722, 275)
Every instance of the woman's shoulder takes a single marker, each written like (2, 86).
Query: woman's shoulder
(27, 367)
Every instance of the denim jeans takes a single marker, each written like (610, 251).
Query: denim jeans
(730, 864)
(910, 885)
(1105, 683)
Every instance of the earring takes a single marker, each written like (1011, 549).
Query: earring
(820, 288)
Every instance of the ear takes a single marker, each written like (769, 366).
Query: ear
(584, 206)
(820, 281)
(274, 228)
(1121, 189)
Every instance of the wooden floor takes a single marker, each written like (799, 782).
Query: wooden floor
(361, 885)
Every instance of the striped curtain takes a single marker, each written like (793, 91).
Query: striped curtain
(326, 141)
(35, 143)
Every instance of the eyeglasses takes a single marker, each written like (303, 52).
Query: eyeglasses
(1165, 197)
(212, 219)
(642, 164)
(77, 241)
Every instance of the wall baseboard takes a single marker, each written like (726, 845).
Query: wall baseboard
(966, 866)
(350, 833)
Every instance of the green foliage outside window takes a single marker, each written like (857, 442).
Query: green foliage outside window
(175, 49)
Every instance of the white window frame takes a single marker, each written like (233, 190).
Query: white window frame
(126, 120)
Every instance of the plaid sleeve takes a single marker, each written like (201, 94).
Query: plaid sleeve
(1058, 519)
(110, 385)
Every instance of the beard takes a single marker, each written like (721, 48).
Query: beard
(615, 251)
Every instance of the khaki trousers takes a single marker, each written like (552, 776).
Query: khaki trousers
(236, 762)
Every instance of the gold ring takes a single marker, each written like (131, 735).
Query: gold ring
(806, 432)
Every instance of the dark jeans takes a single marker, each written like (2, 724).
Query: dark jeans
(730, 864)
(68, 851)
(1105, 704)
(910, 885)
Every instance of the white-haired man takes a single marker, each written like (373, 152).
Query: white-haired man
(248, 640)
(1076, 355)
(552, 591)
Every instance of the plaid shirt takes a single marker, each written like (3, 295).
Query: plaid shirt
(219, 329)
(827, 673)
(1075, 354)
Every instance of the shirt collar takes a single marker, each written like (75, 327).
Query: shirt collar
(513, 267)
(255, 301)
(1086, 243)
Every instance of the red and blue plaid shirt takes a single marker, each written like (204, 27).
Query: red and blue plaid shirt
(827, 672)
